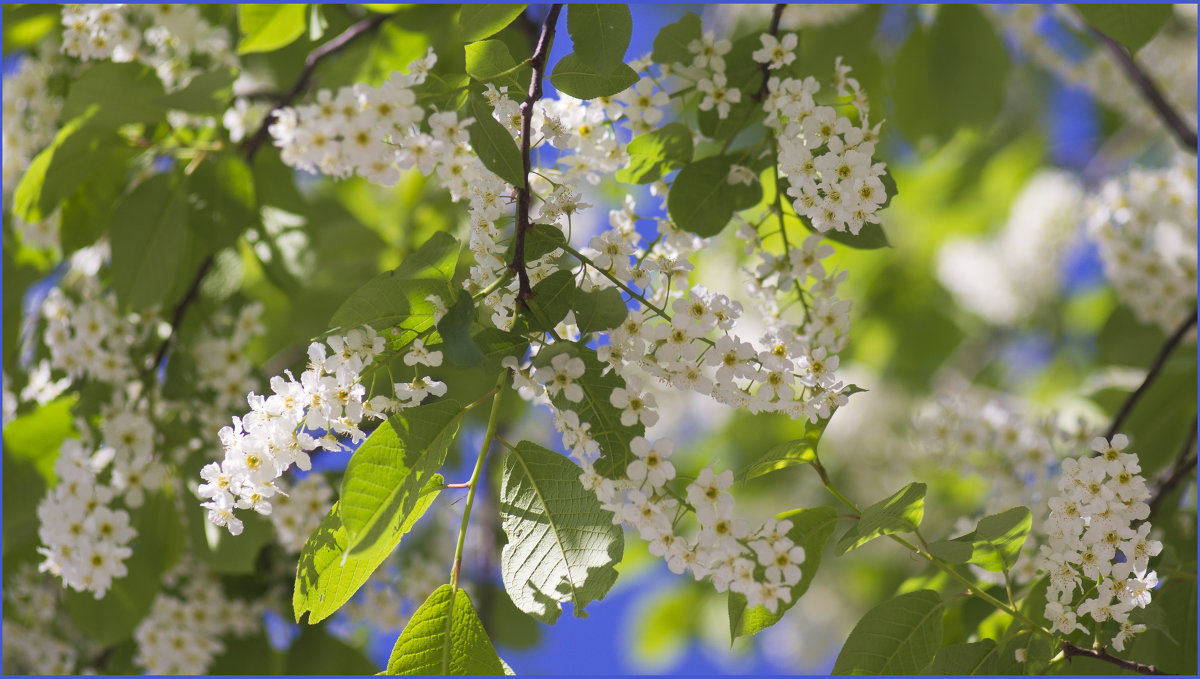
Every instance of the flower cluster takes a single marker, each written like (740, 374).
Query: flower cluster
(31, 111)
(183, 633)
(32, 630)
(88, 338)
(1005, 277)
(29, 652)
(826, 158)
(1093, 539)
(84, 541)
(299, 510)
(174, 40)
(327, 400)
(761, 564)
(221, 363)
(1145, 224)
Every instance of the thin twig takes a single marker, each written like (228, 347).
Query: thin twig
(776, 15)
(1151, 374)
(1154, 96)
(314, 58)
(538, 64)
(1185, 463)
(1071, 650)
(250, 148)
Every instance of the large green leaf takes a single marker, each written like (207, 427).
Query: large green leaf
(965, 659)
(493, 144)
(811, 529)
(476, 22)
(562, 545)
(670, 45)
(455, 329)
(222, 197)
(444, 636)
(208, 93)
(600, 33)
(25, 25)
(1130, 25)
(552, 298)
(576, 77)
(596, 408)
(599, 310)
(389, 474)
(150, 238)
(117, 94)
(899, 636)
(398, 297)
(266, 28)
(901, 512)
(490, 61)
(38, 435)
(656, 153)
(24, 487)
(326, 576)
(703, 201)
(87, 211)
(998, 539)
(62, 167)
(788, 454)
(951, 75)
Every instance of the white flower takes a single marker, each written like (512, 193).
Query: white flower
(561, 374)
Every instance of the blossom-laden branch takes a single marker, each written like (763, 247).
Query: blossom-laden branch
(1154, 96)
(250, 149)
(776, 15)
(1185, 463)
(1151, 373)
(1071, 650)
(538, 65)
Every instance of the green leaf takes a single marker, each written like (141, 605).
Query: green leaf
(965, 659)
(389, 475)
(670, 45)
(24, 487)
(597, 408)
(492, 142)
(221, 194)
(208, 93)
(952, 551)
(540, 240)
(326, 576)
(62, 167)
(86, 212)
(899, 636)
(117, 94)
(998, 539)
(1124, 340)
(789, 454)
(476, 22)
(316, 651)
(26, 25)
(901, 512)
(951, 75)
(552, 299)
(455, 329)
(444, 636)
(869, 237)
(38, 435)
(574, 76)
(1037, 653)
(811, 529)
(600, 33)
(490, 61)
(149, 235)
(266, 28)
(398, 297)
(562, 545)
(702, 201)
(656, 153)
(599, 310)
(1130, 25)
(495, 344)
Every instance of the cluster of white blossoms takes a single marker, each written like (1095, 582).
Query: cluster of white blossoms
(1169, 59)
(221, 363)
(31, 111)
(183, 633)
(327, 400)
(761, 564)
(707, 71)
(29, 652)
(33, 628)
(84, 540)
(174, 40)
(1145, 225)
(88, 337)
(826, 158)
(299, 509)
(1005, 277)
(1097, 561)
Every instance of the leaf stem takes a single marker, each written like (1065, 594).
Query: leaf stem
(473, 484)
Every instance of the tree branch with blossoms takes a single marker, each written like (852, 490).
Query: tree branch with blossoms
(537, 64)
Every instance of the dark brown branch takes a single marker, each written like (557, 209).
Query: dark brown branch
(538, 64)
(1151, 373)
(1071, 650)
(776, 15)
(251, 146)
(1154, 96)
(1185, 463)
